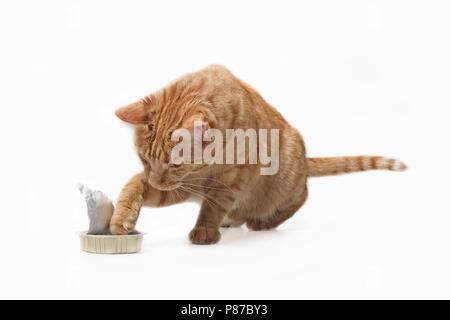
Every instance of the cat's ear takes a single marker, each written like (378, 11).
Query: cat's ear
(135, 113)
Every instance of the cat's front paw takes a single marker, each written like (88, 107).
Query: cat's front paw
(117, 226)
(203, 235)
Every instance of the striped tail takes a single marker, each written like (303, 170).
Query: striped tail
(319, 167)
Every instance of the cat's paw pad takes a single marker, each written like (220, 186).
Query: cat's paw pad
(202, 235)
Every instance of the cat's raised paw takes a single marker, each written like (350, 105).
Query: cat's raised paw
(202, 235)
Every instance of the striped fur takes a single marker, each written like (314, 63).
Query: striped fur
(319, 167)
(231, 195)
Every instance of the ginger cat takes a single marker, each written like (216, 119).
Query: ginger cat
(231, 194)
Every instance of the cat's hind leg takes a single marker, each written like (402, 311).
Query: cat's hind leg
(283, 213)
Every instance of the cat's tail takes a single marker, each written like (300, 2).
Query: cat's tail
(318, 167)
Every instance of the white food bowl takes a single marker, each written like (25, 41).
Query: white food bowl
(109, 244)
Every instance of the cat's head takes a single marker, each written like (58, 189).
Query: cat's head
(155, 122)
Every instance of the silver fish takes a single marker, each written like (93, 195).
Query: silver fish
(100, 210)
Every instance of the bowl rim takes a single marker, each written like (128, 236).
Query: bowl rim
(85, 234)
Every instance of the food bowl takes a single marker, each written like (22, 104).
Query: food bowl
(110, 244)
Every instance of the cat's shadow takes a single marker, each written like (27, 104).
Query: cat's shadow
(242, 234)
(230, 236)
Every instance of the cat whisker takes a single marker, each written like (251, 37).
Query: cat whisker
(202, 195)
(207, 187)
(213, 180)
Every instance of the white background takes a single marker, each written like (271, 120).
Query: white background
(356, 77)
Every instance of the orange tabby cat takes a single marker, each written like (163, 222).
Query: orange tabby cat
(231, 194)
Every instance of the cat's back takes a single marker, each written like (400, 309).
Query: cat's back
(213, 80)
(233, 99)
